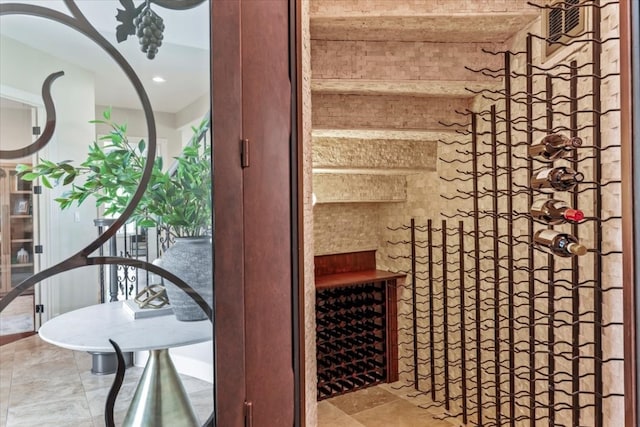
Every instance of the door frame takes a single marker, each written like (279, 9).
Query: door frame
(630, 171)
(228, 334)
(297, 212)
(42, 292)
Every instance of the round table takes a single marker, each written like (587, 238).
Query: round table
(160, 398)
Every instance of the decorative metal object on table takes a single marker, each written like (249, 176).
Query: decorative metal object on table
(152, 297)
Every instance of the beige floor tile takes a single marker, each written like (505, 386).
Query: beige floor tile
(83, 360)
(95, 382)
(202, 402)
(331, 416)
(61, 412)
(118, 418)
(411, 394)
(352, 403)
(194, 385)
(79, 395)
(41, 390)
(399, 413)
(57, 355)
(98, 397)
(29, 373)
(6, 373)
(7, 351)
(34, 343)
(6, 364)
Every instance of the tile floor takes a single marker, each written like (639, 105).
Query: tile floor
(18, 316)
(32, 393)
(44, 385)
(385, 405)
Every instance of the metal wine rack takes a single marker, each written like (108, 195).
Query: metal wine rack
(497, 331)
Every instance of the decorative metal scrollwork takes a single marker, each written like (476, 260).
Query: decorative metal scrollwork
(78, 22)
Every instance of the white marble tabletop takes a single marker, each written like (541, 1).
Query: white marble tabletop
(90, 328)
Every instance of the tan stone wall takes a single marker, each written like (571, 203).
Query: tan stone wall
(345, 227)
(383, 112)
(384, 154)
(399, 61)
(350, 188)
(310, 370)
(410, 7)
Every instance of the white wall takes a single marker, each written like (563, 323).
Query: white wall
(24, 69)
(136, 122)
(174, 128)
(15, 128)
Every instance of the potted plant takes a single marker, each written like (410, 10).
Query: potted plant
(177, 200)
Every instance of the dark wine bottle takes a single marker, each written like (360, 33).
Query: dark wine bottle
(554, 211)
(556, 243)
(561, 178)
(553, 146)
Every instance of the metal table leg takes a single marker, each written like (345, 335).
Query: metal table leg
(160, 399)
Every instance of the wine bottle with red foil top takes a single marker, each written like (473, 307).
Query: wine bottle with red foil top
(554, 211)
(553, 146)
(561, 178)
(556, 243)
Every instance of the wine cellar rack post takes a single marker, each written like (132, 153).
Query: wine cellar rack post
(532, 347)
(432, 356)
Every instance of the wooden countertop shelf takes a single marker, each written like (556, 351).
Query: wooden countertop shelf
(354, 278)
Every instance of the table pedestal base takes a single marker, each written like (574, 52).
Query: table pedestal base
(106, 363)
(160, 399)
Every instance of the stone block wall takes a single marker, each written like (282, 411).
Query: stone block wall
(330, 188)
(345, 227)
(398, 60)
(410, 7)
(310, 407)
(332, 111)
(380, 154)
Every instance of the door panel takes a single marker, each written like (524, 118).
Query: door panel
(266, 123)
(229, 263)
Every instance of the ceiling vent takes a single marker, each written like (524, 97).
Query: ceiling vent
(564, 20)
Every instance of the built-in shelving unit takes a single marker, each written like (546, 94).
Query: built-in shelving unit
(16, 229)
(356, 323)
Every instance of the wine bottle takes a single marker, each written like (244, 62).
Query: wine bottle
(556, 243)
(561, 178)
(555, 211)
(553, 146)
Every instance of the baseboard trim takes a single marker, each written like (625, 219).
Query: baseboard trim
(8, 339)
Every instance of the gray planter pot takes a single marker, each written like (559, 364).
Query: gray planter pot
(189, 258)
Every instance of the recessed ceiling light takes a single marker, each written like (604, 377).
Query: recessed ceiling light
(158, 79)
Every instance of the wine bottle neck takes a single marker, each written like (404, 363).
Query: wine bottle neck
(576, 249)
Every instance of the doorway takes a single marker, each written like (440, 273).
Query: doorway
(355, 92)
(20, 221)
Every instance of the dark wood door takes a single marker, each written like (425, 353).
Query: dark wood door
(266, 97)
(253, 272)
(229, 245)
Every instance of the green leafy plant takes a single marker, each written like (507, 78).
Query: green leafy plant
(178, 200)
